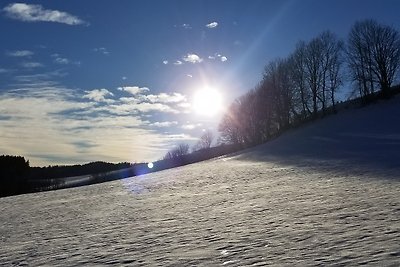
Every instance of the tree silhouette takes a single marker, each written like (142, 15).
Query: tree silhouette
(177, 152)
(373, 56)
(205, 141)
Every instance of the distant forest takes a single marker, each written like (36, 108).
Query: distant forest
(294, 90)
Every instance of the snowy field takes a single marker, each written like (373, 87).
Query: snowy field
(325, 194)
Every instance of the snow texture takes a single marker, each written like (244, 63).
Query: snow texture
(325, 194)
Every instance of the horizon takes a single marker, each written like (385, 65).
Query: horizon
(118, 83)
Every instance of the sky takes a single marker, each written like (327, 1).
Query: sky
(115, 81)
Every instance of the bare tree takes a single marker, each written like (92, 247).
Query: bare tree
(332, 49)
(373, 55)
(297, 68)
(205, 141)
(177, 152)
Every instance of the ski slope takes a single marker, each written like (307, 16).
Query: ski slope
(325, 194)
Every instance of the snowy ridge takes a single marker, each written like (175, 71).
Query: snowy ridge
(324, 194)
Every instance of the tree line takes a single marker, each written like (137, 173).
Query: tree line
(17, 176)
(304, 85)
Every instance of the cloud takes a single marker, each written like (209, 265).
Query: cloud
(99, 95)
(124, 78)
(165, 98)
(134, 90)
(4, 70)
(192, 58)
(34, 13)
(186, 26)
(149, 107)
(163, 124)
(238, 43)
(165, 62)
(178, 62)
(60, 126)
(30, 65)
(191, 126)
(61, 60)
(212, 25)
(19, 53)
(101, 50)
(219, 56)
(189, 75)
(181, 137)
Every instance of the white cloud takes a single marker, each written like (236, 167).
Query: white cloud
(189, 75)
(178, 62)
(61, 60)
(211, 57)
(165, 62)
(124, 78)
(163, 124)
(31, 65)
(212, 25)
(58, 126)
(101, 50)
(149, 107)
(175, 137)
(165, 98)
(224, 58)
(99, 95)
(4, 70)
(192, 58)
(191, 126)
(32, 13)
(134, 90)
(186, 26)
(19, 53)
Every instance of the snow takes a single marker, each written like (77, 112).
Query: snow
(324, 194)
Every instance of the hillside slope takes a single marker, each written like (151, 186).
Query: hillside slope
(324, 194)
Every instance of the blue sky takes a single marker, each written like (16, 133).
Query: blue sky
(83, 81)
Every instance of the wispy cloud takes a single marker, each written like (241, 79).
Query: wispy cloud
(192, 58)
(165, 98)
(34, 13)
(134, 90)
(4, 70)
(191, 126)
(99, 95)
(19, 53)
(163, 124)
(165, 62)
(101, 50)
(184, 26)
(149, 107)
(60, 126)
(178, 62)
(212, 25)
(30, 65)
(218, 56)
(60, 60)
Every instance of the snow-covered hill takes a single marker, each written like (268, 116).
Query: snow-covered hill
(325, 194)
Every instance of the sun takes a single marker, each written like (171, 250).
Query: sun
(207, 102)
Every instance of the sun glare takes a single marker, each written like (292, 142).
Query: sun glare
(207, 102)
